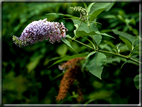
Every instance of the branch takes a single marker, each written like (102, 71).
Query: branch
(103, 51)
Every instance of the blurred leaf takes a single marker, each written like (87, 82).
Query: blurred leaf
(105, 47)
(70, 26)
(95, 14)
(129, 45)
(81, 28)
(59, 75)
(67, 15)
(136, 41)
(97, 6)
(89, 7)
(112, 45)
(101, 94)
(137, 81)
(105, 34)
(75, 46)
(95, 64)
(120, 17)
(123, 48)
(88, 102)
(52, 16)
(62, 50)
(136, 50)
(124, 35)
(124, 63)
(34, 62)
(87, 59)
(96, 37)
(13, 83)
(90, 42)
(85, 5)
(110, 16)
(66, 58)
(68, 44)
(113, 59)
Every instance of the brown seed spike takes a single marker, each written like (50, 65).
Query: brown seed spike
(72, 70)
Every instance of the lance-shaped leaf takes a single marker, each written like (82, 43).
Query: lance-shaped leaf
(68, 44)
(95, 64)
(96, 37)
(60, 14)
(124, 35)
(138, 81)
(127, 42)
(112, 45)
(97, 8)
(95, 14)
(66, 58)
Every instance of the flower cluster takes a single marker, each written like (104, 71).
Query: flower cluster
(40, 30)
(73, 72)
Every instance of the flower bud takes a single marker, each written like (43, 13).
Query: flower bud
(39, 31)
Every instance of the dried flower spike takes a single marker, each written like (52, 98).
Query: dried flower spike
(73, 71)
(40, 30)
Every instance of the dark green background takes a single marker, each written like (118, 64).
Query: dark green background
(25, 76)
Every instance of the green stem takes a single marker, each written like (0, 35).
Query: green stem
(93, 39)
(77, 28)
(82, 43)
(103, 51)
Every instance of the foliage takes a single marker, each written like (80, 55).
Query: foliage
(103, 33)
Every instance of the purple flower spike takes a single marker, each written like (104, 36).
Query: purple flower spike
(40, 30)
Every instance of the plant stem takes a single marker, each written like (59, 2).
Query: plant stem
(116, 54)
(78, 28)
(82, 43)
(103, 51)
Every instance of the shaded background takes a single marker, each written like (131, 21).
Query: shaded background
(25, 76)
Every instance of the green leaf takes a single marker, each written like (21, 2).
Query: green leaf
(137, 81)
(68, 43)
(81, 28)
(129, 45)
(95, 14)
(62, 50)
(86, 59)
(89, 7)
(96, 37)
(68, 58)
(124, 63)
(97, 6)
(112, 45)
(124, 35)
(113, 59)
(59, 75)
(136, 41)
(67, 15)
(85, 5)
(110, 16)
(90, 42)
(89, 101)
(110, 6)
(33, 63)
(95, 64)
(136, 50)
(105, 34)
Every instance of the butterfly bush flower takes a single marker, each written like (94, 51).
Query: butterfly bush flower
(39, 31)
